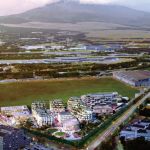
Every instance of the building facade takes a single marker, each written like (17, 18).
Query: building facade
(79, 110)
(41, 114)
(57, 106)
(100, 99)
(103, 110)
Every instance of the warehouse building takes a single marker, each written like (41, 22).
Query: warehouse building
(134, 78)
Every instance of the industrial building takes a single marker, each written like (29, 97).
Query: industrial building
(134, 78)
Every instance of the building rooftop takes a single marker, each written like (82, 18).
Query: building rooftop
(14, 108)
(4, 130)
(138, 126)
(136, 75)
(65, 113)
(146, 120)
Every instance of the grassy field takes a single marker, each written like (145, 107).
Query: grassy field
(148, 69)
(26, 92)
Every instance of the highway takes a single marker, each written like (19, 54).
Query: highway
(112, 128)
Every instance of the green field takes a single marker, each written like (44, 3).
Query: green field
(60, 134)
(20, 93)
(148, 68)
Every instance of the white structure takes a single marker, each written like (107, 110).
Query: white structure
(16, 110)
(100, 99)
(79, 110)
(18, 113)
(42, 117)
(41, 114)
(57, 106)
(64, 116)
(39, 105)
(103, 110)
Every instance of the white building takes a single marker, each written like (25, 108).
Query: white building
(41, 114)
(18, 113)
(39, 105)
(57, 106)
(63, 116)
(42, 117)
(103, 110)
(79, 110)
(92, 100)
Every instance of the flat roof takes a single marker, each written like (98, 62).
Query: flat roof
(6, 130)
(136, 75)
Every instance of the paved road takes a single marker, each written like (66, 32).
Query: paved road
(108, 132)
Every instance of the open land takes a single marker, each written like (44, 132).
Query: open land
(24, 93)
(91, 29)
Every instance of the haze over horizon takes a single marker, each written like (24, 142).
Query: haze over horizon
(8, 7)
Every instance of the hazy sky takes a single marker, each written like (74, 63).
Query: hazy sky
(17, 6)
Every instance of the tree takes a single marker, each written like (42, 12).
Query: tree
(137, 144)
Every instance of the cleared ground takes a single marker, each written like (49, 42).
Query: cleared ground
(91, 29)
(26, 92)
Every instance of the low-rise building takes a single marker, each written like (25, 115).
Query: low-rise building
(101, 99)
(134, 78)
(73, 102)
(18, 113)
(41, 114)
(42, 117)
(36, 147)
(63, 116)
(103, 110)
(57, 106)
(79, 110)
(133, 134)
(12, 138)
(140, 128)
(38, 104)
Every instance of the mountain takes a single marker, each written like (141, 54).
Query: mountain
(74, 12)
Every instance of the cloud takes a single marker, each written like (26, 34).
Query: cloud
(98, 1)
(17, 6)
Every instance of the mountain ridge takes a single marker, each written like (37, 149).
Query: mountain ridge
(74, 12)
